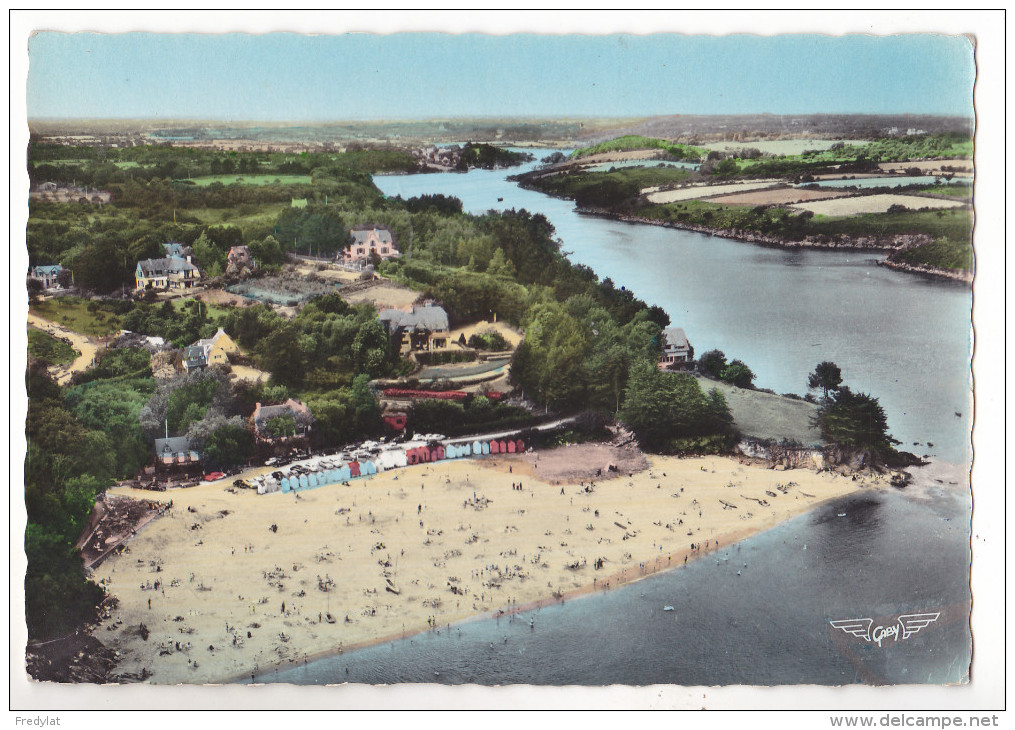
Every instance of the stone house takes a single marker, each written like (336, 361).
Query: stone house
(420, 330)
(46, 275)
(166, 273)
(214, 350)
(363, 245)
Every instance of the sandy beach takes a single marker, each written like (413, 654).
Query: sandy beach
(228, 584)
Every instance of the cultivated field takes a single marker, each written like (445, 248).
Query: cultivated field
(875, 204)
(693, 192)
(777, 196)
(931, 167)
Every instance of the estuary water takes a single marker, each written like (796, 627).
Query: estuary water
(757, 612)
(901, 337)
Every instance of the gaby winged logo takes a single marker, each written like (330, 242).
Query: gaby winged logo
(904, 626)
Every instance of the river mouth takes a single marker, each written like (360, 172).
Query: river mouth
(762, 611)
(758, 612)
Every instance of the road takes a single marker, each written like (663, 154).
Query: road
(82, 344)
(549, 426)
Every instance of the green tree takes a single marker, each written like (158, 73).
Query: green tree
(228, 446)
(712, 363)
(267, 252)
(855, 419)
(738, 374)
(664, 407)
(826, 376)
(280, 426)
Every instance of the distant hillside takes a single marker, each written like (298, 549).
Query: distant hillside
(750, 127)
(637, 142)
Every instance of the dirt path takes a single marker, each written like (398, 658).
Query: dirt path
(84, 345)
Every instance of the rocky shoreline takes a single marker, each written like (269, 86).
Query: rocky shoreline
(962, 275)
(841, 242)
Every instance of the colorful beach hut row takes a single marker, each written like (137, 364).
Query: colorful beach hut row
(395, 459)
(439, 452)
(344, 473)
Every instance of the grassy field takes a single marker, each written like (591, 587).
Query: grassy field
(609, 188)
(943, 253)
(75, 314)
(207, 180)
(953, 191)
(214, 312)
(637, 142)
(257, 224)
(48, 349)
(767, 416)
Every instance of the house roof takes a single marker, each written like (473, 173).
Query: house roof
(48, 270)
(383, 235)
(165, 266)
(177, 250)
(210, 341)
(195, 356)
(290, 408)
(430, 318)
(675, 337)
(174, 445)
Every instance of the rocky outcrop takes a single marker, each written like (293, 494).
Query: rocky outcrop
(964, 275)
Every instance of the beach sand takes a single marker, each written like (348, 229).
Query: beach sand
(245, 582)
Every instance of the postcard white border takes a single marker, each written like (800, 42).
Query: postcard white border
(989, 611)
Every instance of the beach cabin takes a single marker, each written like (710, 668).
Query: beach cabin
(176, 454)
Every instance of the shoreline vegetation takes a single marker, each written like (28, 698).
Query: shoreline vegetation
(891, 245)
(777, 200)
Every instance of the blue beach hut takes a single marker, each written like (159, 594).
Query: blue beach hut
(304, 482)
(477, 448)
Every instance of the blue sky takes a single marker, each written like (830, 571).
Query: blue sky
(290, 77)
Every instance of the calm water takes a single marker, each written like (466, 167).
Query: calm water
(901, 337)
(875, 555)
(889, 554)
